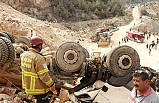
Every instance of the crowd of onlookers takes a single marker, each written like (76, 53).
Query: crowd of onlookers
(149, 46)
(154, 43)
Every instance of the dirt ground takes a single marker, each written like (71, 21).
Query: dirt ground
(120, 94)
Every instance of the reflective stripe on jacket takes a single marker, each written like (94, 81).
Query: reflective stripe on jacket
(35, 74)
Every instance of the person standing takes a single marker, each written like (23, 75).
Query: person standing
(125, 39)
(119, 43)
(147, 46)
(122, 40)
(149, 51)
(36, 80)
(111, 45)
(147, 37)
(142, 91)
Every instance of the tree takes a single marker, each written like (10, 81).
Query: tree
(66, 9)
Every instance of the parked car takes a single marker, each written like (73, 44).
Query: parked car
(114, 29)
(108, 33)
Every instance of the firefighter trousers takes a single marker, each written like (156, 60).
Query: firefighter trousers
(44, 98)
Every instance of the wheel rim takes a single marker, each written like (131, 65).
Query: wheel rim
(70, 56)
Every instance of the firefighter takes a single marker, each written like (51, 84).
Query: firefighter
(35, 74)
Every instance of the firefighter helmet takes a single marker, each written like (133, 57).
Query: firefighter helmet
(35, 40)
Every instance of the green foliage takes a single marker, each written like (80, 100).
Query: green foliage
(45, 14)
(144, 12)
(51, 36)
(73, 9)
(84, 18)
(26, 2)
(138, 1)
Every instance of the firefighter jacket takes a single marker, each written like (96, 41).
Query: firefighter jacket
(35, 74)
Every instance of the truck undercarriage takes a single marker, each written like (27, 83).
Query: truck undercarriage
(70, 62)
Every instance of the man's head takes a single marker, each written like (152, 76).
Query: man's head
(36, 42)
(140, 79)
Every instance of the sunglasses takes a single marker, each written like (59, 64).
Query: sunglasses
(139, 71)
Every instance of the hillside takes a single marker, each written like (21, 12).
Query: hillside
(20, 24)
(68, 10)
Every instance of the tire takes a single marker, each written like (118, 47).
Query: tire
(23, 39)
(11, 37)
(120, 81)
(11, 52)
(4, 35)
(70, 56)
(86, 52)
(104, 58)
(3, 52)
(121, 60)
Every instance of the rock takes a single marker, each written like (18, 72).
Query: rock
(17, 99)
(5, 97)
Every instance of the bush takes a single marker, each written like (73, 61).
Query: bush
(100, 8)
(144, 12)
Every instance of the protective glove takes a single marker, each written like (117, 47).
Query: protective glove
(53, 89)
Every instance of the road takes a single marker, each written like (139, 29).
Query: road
(118, 35)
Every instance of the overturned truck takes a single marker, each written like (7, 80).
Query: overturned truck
(72, 61)
(10, 50)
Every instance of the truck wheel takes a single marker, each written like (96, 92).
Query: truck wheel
(86, 53)
(104, 58)
(4, 35)
(3, 52)
(11, 52)
(70, 56)
(120, 81)
(122, 60)
(23, 39)
(11, 37)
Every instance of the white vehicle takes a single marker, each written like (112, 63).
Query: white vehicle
(114, 29)
(110, 33)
